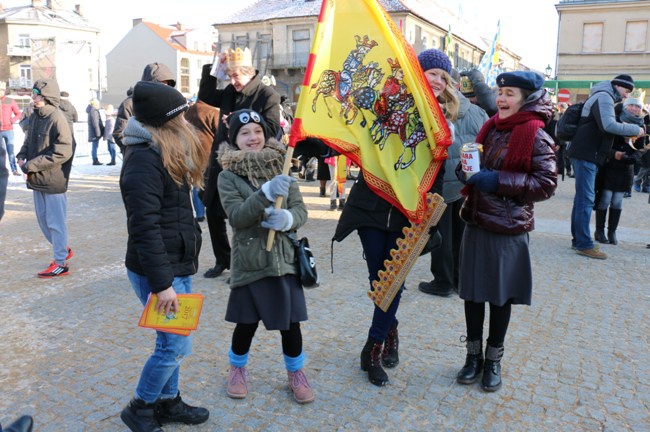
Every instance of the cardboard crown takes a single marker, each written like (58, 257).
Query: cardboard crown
(238, 58)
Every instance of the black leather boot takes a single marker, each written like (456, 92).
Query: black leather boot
(23, 424)
(97, 162)
(390, 354)
(473, 363)
(177, 411)
(341, 203)
(599, 235)
(371, 362)
(492, 369)
(139, 416)
(612, 224)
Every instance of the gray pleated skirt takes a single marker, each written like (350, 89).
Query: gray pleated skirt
(276, 301)
(495, 268)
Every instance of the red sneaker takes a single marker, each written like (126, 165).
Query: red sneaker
(70, 254)
(54, 270)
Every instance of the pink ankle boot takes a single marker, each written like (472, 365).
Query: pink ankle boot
(301, 389)
(237, 384)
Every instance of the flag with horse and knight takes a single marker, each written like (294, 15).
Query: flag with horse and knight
(365, 95)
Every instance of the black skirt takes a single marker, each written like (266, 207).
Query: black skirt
(495, 268)
(276, 301)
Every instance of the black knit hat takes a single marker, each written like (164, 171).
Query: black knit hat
(625, 81)
(156, 103)
(241, 117)
(434, 59)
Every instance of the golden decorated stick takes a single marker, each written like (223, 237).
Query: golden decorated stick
(403, 258)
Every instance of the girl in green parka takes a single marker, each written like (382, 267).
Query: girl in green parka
(264, 285)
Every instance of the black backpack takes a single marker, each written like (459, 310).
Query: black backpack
(567, 124)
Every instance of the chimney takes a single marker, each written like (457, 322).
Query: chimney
(55, 5)
(137, 21)
(38, 3)
(78, 10)
(179, 26)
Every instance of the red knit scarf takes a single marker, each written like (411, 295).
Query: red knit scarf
(524, 125)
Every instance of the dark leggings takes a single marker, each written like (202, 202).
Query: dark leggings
(499, 320)
(242, 338)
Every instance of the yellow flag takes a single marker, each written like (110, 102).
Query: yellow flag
(365, 95)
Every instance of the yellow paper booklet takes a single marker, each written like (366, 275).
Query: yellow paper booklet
(180, 322)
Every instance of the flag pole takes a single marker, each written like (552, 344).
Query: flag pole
(278, 200)
(296, 125)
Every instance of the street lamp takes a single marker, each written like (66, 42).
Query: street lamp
(548, 71)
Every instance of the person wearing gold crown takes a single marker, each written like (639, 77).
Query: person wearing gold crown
(245, 90)
(616, 176)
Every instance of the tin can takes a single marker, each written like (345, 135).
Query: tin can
(470, 158)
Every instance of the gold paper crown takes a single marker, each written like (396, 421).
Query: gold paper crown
(638, 93)
(466, 86)
(238, 58)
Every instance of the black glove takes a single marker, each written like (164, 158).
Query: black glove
(475, 76)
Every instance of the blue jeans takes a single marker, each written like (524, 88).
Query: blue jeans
(376, 248)
(93, 151)
(583, 203)
(111, 150)
(610, 199)
(199, 208)
(8, 137)
(159, 378)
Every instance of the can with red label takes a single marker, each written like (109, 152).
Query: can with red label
(470, 158)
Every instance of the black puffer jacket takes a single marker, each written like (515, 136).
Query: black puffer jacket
(164, 238)
(364, 208)
(255, 96)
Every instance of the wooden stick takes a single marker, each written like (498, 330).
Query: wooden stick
(278, 200)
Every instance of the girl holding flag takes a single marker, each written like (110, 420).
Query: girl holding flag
(264, 285)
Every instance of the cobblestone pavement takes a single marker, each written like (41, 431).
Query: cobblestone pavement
(576, 360)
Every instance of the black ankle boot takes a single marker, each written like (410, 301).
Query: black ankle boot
(612, 225)
(492, 369)
(473, 363)
(390, 354)
(599, 234)
(140, 416)
(371, 362)
(177, 411)
(23, 424)
(322, 191)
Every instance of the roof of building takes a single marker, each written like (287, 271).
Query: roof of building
(172, 35)
(431, 11)
(46, 16)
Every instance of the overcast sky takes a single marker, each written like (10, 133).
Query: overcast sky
(529, 28)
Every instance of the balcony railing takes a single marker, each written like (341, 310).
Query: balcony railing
(20, 83)
(292, 60)
(19, 51)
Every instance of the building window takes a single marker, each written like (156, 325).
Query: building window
(635, 36)
(23, 40)
(592, 37)
(185, 75)
(26, 73)
(241, 41)
(301, 47)
(264, 46)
